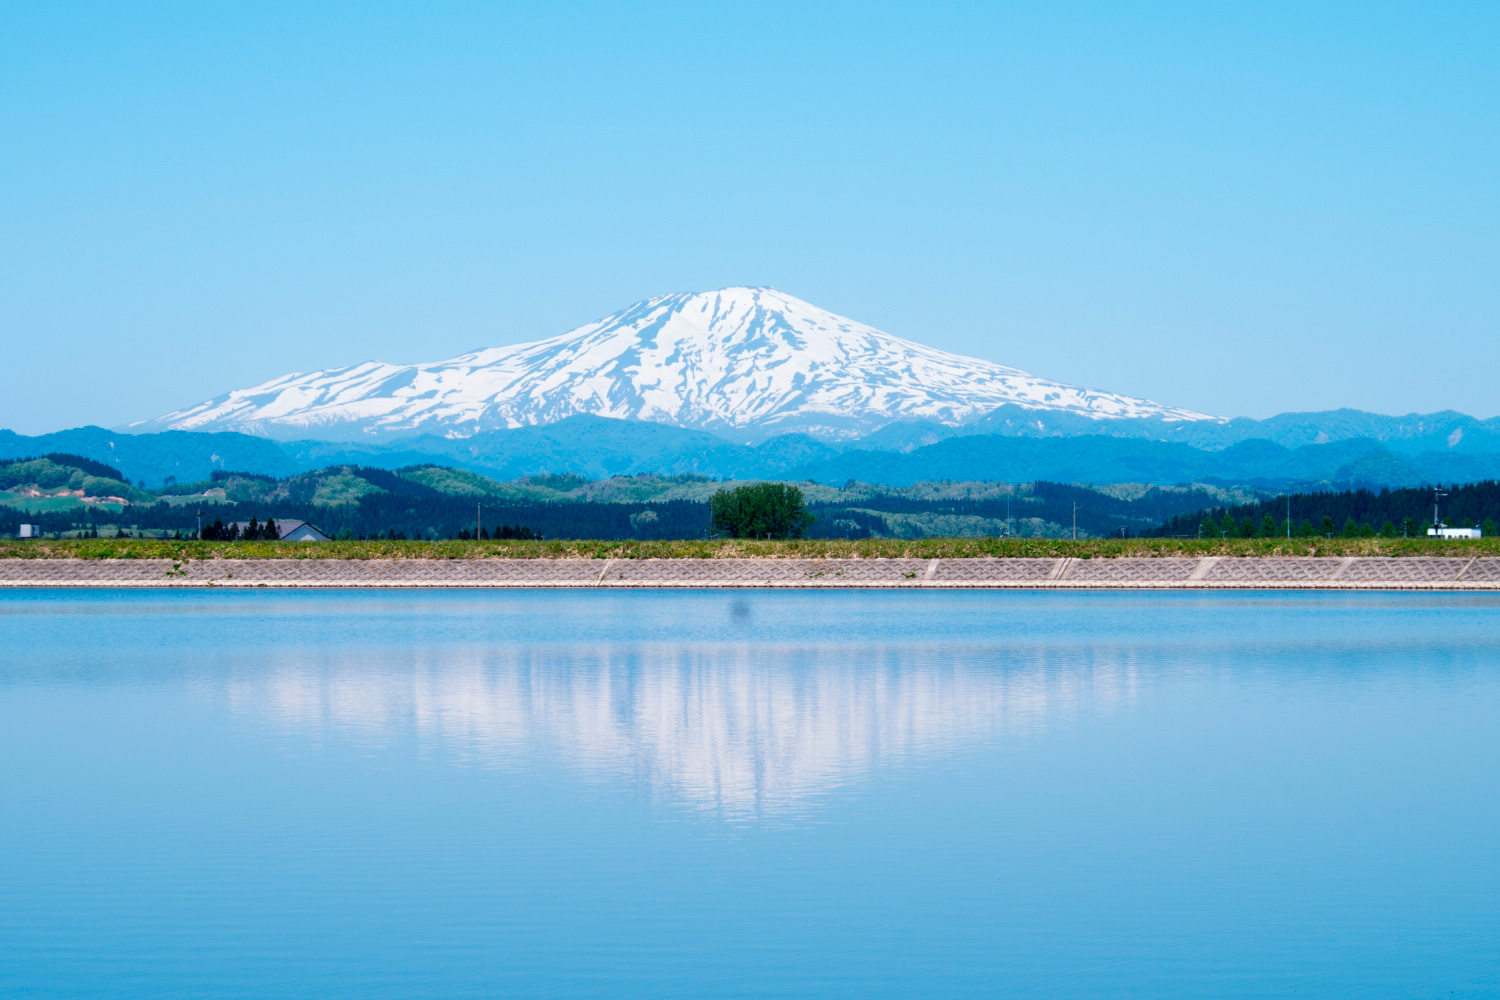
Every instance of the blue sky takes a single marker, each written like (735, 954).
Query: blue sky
(1241, 210)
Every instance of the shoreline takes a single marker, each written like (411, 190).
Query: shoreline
(1458, 573)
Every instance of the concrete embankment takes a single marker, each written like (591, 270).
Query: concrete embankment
(1212, 572)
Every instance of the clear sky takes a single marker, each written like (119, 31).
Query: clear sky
(1243, 209)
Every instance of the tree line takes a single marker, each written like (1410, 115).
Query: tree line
(771, 508)
(515, 531)
(1405, 512)
(253, 531)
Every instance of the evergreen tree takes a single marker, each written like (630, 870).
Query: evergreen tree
(1489, 528)
(1388, 529)
(1268, 527)
(1327, 527)
(270, 531)
(1305, 529)
(1247, 528)
(252, 530)
(1351, 528)
(1408, 528)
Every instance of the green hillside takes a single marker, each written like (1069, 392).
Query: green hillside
(58, 482)
(426, 501)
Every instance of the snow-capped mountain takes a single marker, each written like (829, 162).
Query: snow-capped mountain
(745, 362)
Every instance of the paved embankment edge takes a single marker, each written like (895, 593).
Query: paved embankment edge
(1163, 573)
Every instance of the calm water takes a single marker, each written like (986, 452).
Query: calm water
(749, 794)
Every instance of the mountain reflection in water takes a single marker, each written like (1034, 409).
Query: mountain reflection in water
(743, 731)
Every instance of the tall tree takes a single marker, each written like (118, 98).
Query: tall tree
(761, 510)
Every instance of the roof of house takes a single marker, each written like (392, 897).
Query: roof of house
(285, 526)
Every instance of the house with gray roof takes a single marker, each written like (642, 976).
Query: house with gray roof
(289, 530)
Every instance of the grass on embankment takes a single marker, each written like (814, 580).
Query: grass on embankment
(867, 548)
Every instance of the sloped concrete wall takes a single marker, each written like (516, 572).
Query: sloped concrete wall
(1377, 573)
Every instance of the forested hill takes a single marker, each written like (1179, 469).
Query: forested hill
(428, 501)
(1357, 512)
(68, 479)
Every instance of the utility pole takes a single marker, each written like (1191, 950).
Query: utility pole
(1075, 521)
(1288, 517)
(478, 519)
(1436, 492)
(200, 522)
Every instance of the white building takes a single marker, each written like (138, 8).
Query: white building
(30, 531)
(1443, 531)
(291, 531)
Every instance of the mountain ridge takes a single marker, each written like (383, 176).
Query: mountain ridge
(599, 447)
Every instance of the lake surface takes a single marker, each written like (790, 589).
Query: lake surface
(749, 794)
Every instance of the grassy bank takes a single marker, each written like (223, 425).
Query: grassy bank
(870, 548)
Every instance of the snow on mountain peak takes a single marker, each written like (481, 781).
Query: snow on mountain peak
(748, 362)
